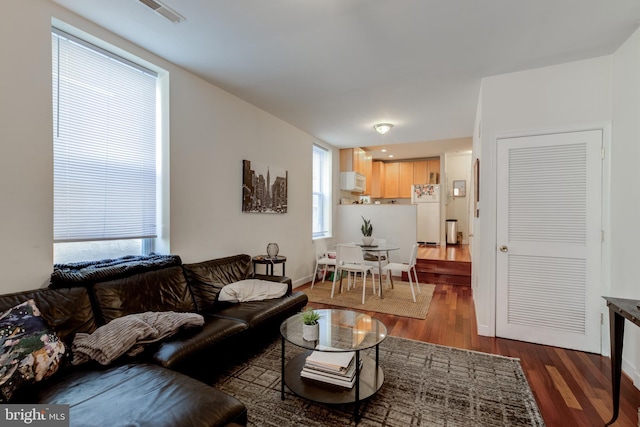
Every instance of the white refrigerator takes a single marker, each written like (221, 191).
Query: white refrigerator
(426, 197)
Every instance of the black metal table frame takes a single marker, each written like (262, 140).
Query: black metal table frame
(356, 411)
(269, 262)
(619, 310)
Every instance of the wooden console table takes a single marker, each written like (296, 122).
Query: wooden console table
(619, 309)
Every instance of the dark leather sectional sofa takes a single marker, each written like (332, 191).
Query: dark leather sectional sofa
(167, 385)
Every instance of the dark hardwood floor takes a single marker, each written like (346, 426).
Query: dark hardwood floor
(572, 388)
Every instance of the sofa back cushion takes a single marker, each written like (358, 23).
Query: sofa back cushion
(66, 310)
(208, 277)
(160, 290)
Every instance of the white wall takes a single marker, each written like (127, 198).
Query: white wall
(625, 197)
(211, 133)
(26, 153)
(395, 223)
(544, 99)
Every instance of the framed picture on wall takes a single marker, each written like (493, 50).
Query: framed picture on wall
(459, 188)
(264, 188)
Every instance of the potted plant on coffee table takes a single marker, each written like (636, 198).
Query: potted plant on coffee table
(310, 325)
(367, 231)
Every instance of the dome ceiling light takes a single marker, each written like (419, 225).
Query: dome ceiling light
(383, 128)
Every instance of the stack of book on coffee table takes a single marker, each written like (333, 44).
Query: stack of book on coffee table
(331, 367)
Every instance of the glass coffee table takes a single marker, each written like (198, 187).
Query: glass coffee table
(340, 331)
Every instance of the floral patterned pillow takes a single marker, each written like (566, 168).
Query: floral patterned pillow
(29, 349)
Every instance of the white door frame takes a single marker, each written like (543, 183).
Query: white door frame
(491, 175)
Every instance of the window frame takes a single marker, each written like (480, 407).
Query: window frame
(160, 242)
(323, 195)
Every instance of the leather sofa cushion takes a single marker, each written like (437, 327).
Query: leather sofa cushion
(140, 395)
(208, 277)
(66, 310)
(255, 313)
(161, 290)
(188, 343)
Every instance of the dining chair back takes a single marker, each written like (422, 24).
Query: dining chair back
(409, 268)
(324, 258)
(350, 259)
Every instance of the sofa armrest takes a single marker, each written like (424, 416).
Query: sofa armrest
(279, 279)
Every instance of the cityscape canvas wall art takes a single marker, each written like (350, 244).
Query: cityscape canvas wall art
(264, 188)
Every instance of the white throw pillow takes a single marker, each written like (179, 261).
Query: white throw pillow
(252, 290)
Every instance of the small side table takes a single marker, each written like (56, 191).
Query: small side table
(269, 262)
(619, 310)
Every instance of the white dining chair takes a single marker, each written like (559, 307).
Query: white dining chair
(408, 268)
(324, 258)
(376, 259)
(350, 259)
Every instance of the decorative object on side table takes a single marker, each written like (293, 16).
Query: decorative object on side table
(310, 327)
(367, 231)
(272, 250)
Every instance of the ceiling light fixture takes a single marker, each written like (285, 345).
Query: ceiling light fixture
(383, 128)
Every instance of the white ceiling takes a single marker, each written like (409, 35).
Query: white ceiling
(334, 68)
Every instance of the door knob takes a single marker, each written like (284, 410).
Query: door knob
(504, 248)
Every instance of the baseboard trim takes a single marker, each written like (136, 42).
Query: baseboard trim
(632, 372)
(300, 282)
(484, 331)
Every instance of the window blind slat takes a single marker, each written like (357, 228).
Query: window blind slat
(104, 146)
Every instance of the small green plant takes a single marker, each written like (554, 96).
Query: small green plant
(367, 228)
(310, 317)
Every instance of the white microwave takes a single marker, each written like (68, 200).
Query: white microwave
(353, 181)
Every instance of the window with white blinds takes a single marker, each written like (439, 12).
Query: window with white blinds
(104, 144)
(321, 192)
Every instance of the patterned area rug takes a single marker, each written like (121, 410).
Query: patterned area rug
(396, 301)
(425, 385)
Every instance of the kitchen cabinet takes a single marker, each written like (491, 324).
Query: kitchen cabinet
(391, 173)
(378, 180)
(405, 179)
(357, 160)
(426, 171)
(398, 180)
(393, 180)
(434, 171)
(421, 172)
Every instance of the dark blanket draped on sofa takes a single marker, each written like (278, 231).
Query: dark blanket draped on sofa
(82, 273)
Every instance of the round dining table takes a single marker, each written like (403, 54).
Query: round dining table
(379, 250)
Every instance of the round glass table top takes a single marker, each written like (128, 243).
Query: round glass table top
(340, 330)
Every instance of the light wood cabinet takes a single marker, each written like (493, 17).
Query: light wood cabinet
(391, 172)
(357, 160)
(378, 180)
(366, 168)
(421, 172)
(434, 171)
(426, 171)
(399, 178)
(389, 180)
(405, 179)
(349, 160)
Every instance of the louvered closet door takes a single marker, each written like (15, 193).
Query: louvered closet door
(549, 239)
